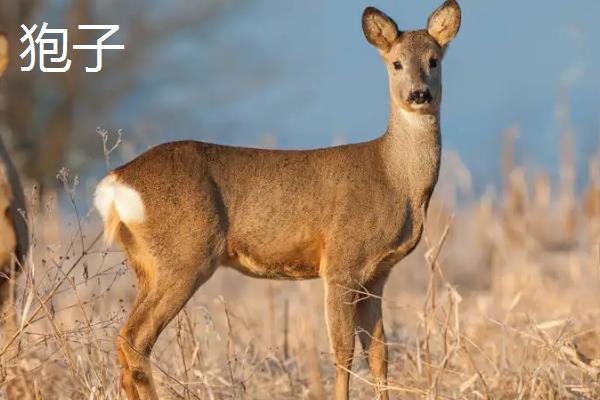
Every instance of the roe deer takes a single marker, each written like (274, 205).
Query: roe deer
(345, 214)
(13, 229)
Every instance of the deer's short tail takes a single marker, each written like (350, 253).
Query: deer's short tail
(118, 204)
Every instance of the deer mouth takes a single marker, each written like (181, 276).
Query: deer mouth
(425, 108)
(420, 106)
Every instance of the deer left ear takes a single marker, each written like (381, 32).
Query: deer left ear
(444, 23)
(3, 53)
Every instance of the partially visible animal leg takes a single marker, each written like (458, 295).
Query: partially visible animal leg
(340, 307)
(166, 296)
(8, 317)
(369, 323)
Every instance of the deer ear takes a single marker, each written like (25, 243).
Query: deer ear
(444, 23)
(380, 30)
(3, 53)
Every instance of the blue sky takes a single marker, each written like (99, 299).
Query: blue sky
(302, 72)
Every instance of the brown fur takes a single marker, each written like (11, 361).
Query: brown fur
(345, 214)
(13, 229)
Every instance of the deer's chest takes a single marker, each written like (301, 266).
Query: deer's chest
(403, 237)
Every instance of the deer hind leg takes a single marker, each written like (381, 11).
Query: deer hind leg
(142, 292)
(340, 307)
(369, 323)
(165, 297)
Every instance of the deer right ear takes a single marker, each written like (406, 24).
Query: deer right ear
(3, 53)
(380, 30)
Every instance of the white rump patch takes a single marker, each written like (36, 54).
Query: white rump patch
(127, 202)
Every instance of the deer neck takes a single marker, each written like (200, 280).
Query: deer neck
(411, 151)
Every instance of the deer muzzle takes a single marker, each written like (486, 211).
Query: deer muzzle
(420, 97)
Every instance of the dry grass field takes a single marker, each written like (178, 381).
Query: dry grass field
(499, 301)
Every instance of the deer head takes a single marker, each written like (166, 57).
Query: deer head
(414, 58)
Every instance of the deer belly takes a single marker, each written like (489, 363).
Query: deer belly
(301, 261)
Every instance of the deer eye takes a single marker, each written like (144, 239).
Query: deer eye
(433, 63)
(397, 65)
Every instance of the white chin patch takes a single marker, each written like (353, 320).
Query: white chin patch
(419, 106)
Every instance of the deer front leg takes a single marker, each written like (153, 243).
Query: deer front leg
(340, 307)
(369, 322)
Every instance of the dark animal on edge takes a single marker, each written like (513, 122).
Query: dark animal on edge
(13, 228)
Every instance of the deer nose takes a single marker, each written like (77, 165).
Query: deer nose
(420, 96)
